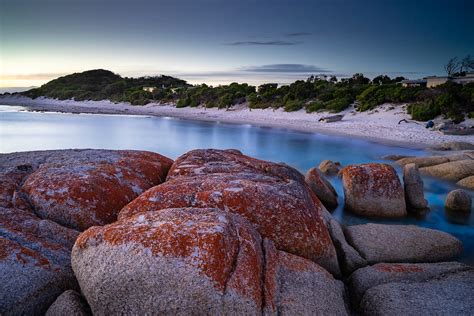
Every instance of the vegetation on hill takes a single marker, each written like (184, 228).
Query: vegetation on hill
(314, 94)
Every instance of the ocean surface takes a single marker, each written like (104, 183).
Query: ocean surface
(23, 131)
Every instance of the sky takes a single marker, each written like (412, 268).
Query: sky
(221, 41)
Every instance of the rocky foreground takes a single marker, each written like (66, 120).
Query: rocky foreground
(215, 232)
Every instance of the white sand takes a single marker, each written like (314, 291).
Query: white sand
(380, 125)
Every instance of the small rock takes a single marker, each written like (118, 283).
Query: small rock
(467, 182)
(458, 200)
(402, 243)
(414, 191)
(373, 189)
(382, 273)
(447, 295)
(394, 157)
(329, 167)
(322, 188)
(69, 303)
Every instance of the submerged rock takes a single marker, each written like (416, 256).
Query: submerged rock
(450, 294)
(329, 167)
(373, 190)
(69, 303)
(402, 243)
(273, 197)
(414, 191)
(467, 182)
(459, 201)
(322, 188)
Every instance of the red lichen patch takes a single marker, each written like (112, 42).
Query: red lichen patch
(397, 267)
(224, 247)
(380, 180)
(282, 211)
(23, 255)
(87, 193)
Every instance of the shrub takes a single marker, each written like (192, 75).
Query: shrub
(338, 105)
(315, 106)
(293, 105)
(423, 111)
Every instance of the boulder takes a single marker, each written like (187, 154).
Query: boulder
(322, 188)
(329, 167)
(349, 259)
(395, 157)
(429, 161)
(458, 201)
(34, 262)
(383, 273)
(297, 286)
(171, 262)
(455, 146)
(402, 243)
(69, 303)
(450, 294)
(414, 192)
(80, 189)
(273, 197)
(467, 182)
(373, 189)
(450, 171)
(10, 179)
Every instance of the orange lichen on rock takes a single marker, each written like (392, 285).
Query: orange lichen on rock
(271, 196)
(83, 193)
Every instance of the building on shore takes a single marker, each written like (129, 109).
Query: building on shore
(434, 81)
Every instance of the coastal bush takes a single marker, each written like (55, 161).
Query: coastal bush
(293, 105)
(339, 104)
(423, 111)
(315, 106)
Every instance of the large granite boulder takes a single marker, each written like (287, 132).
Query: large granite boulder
(10, 179)
(429, 161)
(454, 146)
(450, 171)
(458, 201)
(374, 190)
(467, 182)
(170, 262)
(34, 262)
(297, 286)
(271, 196)
(329, 167)
(402, 243)
(450, 294)
(83, 188)
(322, 188)
(69, 303)
(414, 191)
(383, 273)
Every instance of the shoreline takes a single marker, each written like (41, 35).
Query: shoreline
(382, 122)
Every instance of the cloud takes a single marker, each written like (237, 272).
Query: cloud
(285, 68)
(40, 76)
(298, 34)
(263, 43)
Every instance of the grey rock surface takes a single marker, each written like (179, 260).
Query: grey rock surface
(459, 201)
(414, 191)
(402, 243)
(322, 188)
(450, 171)
(70, 303)
(329, 167)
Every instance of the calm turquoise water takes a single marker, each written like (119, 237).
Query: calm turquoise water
(23, 131)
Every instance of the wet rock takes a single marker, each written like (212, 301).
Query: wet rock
(414, 191)
(322, 188)
(455, 146)
(349, 259)
(458, 201)
(402, 243)
(69, 303)
(429, 161)
(383, 273)
(373, 190)
(447, 295)
(271, 196)
(450, 171)
(34, 262)
(395, 157)
(329, 167)
(88, 187)
(467, 182)
(171, 262)
(297, 286)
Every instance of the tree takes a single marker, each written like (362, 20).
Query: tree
(467, 64)
(359, 78)
(381, 79)
(333, 79)
(452, 66)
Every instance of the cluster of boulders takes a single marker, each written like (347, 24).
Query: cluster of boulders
(214, 232)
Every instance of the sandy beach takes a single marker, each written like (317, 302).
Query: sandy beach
(380, 125)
